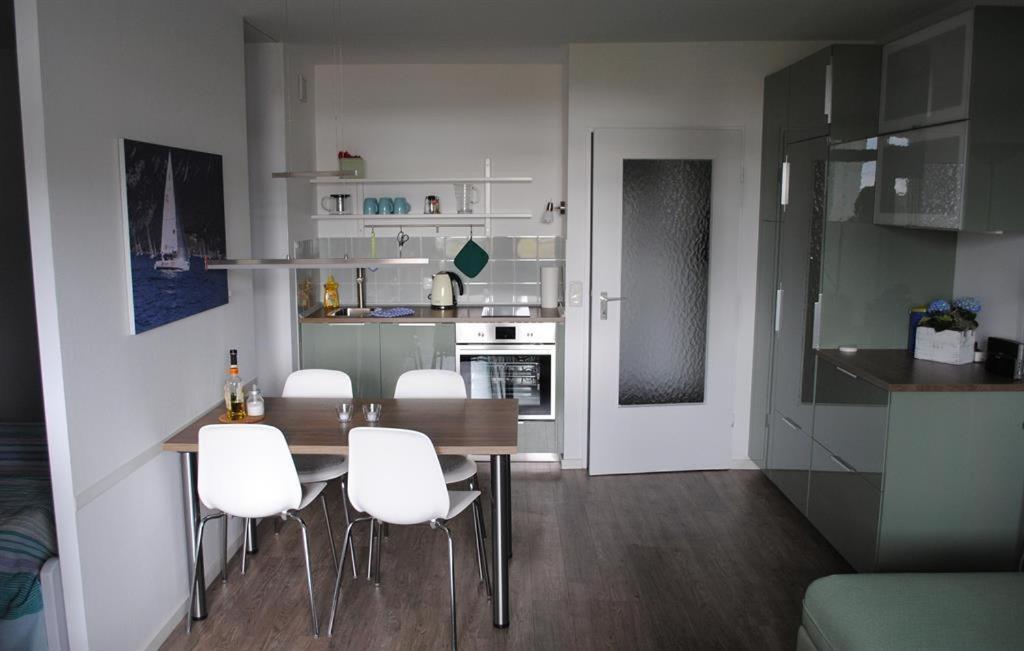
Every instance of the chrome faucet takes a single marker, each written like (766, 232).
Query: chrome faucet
(360, 287)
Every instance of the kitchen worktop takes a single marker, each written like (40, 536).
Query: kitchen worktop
(897, 370)
(460, 314)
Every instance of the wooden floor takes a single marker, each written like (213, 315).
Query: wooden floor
(700, 560)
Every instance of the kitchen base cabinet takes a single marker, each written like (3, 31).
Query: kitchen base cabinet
(789, 460)
(954, 482)
(414, 346)
(844, 507)
(350, 347)
(915, 478)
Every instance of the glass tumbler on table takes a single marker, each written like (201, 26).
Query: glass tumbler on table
(344, 412)
(371, 412)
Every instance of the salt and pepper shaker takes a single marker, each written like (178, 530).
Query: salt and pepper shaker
(254, 402)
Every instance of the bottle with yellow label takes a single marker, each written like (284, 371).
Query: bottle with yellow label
(234, 391)
(331, 300)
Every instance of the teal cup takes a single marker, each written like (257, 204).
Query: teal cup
(370, 206)
(387, 206)
(402, 206)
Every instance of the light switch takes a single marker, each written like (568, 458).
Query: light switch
(575, 293)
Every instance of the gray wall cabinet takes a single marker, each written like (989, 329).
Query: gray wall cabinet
(952, 154)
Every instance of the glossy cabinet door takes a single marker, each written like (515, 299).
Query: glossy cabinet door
(773, 142)
(920, 181)
(926, 77)
(799, 278)
(350, 347)
(789, 459)
(850, 419)
(764, 335)
(411, 346)
(844, 508)
(809, 81)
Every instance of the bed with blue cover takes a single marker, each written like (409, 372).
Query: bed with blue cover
(27, 534)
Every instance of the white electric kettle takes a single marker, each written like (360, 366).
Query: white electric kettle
(442, 295)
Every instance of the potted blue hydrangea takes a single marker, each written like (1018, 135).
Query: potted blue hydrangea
(947, 333)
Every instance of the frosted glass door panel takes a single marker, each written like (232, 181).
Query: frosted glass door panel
(666, 225)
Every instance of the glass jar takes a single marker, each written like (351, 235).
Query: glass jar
(254, 402)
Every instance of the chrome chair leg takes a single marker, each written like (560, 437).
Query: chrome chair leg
(224, 559)
(481, 550)
(277, 526)
(474, 485)
(245, 542)
(348, 521)
(193, 578)
(440, 524)
(336, 594)
(377, 552)
(369, 554)
(309, 573)
(330, 531)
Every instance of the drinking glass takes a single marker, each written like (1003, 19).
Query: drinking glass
(344, 412)
(371, 412)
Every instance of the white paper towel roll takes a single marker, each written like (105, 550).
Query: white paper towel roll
(550, 278)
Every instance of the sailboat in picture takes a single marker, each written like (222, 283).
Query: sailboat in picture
(173, 253)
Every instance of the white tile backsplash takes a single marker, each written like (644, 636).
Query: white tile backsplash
(512, 274)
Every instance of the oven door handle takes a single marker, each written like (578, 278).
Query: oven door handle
(505, 349)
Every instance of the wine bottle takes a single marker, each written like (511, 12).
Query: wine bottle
(234, 391)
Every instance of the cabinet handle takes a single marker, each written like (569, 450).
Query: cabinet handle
(346, 325)
(845, 372)
(842, 464)
(828, 93)
(789, 422)
(816, 330)
(784, 194)
(778, 309)
(416, 325)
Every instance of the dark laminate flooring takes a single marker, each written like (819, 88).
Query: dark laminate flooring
(699, 560)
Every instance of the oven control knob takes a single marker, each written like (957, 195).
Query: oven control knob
(479, 334)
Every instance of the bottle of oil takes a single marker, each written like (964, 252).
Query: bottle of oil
(331, 300)
(234, 391)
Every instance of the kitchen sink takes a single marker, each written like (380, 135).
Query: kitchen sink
(350, 312)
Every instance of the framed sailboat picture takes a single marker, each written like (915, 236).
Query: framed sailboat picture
(174, 219)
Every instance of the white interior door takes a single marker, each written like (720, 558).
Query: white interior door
(666, 208)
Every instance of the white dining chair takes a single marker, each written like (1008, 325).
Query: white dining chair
(246, 471)
(435, 384)
(395, 478)
(312, 468)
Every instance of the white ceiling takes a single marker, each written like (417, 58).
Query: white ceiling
(539, 29)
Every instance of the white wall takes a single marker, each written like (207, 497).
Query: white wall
(664, 85)
(417, 120)
(168, 73)
(991, 268)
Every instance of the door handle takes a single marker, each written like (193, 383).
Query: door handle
(842, 464)
(778, 309)
(790, 423)
(605, 300)
(784, 191)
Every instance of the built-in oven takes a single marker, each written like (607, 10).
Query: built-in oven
(513, 360)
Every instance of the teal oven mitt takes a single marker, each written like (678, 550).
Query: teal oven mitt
(471, 259)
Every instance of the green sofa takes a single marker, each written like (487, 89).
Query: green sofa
(976, 611)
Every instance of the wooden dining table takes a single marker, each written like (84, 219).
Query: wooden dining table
(310, 426)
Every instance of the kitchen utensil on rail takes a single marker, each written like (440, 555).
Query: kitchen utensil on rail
(401, 238)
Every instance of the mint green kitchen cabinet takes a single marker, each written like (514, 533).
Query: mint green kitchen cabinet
(910, 478)
(413, 346)
(350, 347)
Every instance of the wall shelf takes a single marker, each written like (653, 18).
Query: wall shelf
(422, 219)
(312, 263)
(422, 181)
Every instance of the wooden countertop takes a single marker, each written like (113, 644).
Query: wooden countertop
(426, 314)
(311, 426)
(897, 370)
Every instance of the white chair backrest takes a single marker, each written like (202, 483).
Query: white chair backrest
(246, 471)
(394, 475)
(318, 383)
(430, 383)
